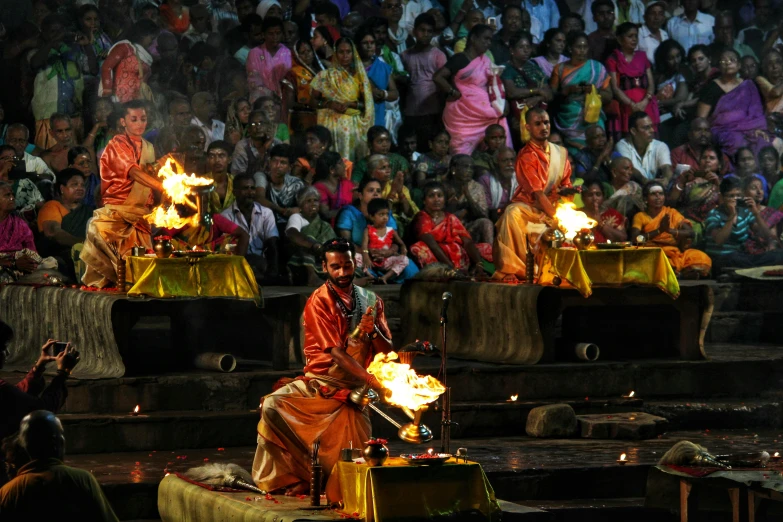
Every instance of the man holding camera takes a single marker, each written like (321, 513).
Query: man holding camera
(24, 163)
(29, 394)
(729, 226)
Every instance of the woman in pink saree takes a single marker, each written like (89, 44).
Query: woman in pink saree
(734, 109)
(631, 80)
(465, 79)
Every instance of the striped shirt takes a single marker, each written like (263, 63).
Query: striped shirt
(740, 232)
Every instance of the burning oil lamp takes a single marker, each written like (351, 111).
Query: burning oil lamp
(629, 396)
(404, 389)
(622, 460)
(135, 412)
(513, 398)
(775, 457)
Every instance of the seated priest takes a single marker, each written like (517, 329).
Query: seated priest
(543, 174)
(127, 191)
(316, 406)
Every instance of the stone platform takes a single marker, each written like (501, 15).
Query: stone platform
(736, 393)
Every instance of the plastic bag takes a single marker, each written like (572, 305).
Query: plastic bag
(496, 91)
(592, 106)
(524, 134)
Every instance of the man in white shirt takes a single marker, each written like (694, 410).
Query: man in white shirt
(692, 27)
(200, 25)
(259, 222)
(546, 11)
(651, 158)
(651, 34)
(204, 111)
(411, 10)
(17, 136)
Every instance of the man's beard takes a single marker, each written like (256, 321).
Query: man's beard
(342, 284)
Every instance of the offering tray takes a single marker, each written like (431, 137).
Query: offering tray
(424, 459)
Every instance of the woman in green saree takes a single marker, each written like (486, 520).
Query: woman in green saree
(307, 232)
(62, 221)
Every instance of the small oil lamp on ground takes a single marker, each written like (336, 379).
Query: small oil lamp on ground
(623, 459)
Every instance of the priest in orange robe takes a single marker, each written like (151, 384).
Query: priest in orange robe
(543, 176)
(127, 195)
(316, 406)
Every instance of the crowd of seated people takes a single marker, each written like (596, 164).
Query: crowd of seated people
(305, 113)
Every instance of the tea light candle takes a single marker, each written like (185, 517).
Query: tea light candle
(621, 461)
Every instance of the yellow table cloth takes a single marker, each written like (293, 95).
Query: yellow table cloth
(646, 266)
(212, 276)
(397, 491)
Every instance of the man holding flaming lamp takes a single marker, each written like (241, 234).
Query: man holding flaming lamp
(127, 192)
(345, 326)
(543, 175)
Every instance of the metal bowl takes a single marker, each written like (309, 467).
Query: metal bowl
(192, 253)
(421, 460)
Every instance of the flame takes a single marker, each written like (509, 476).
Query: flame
(136, 409)
(776, 454)
(408, 389)
(622, 456)
(514, 398)
(571, 220)
(631, 394)
(177, 187)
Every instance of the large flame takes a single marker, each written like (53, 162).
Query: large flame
(408, 390)
(178, 187)
(571, 220)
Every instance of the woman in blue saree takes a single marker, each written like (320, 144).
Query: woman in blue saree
(572, 81)
(379, 73)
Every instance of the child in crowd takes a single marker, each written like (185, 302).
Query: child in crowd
(424, 105)
(486, 150)
(379, 236)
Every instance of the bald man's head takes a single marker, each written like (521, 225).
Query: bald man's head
(41, 435)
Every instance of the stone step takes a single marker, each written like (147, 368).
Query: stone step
(601, 510)
(165, 430)
(745, 327)
(749, 296)
(719, 414)
(732, 371)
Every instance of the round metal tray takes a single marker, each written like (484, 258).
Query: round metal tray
(439, 459)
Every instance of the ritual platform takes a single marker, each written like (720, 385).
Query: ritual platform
(730, 400)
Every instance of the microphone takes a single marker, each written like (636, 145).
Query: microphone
(446, 298)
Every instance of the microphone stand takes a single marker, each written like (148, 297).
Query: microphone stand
(445, 431)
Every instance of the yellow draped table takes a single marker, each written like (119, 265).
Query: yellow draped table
(397, 491)
(212, 276)
(583, 269)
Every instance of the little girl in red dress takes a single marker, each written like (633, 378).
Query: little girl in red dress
(378, 239)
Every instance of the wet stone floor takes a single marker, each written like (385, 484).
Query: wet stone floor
(501, 455)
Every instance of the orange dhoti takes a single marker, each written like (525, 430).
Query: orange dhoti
(294, 417)
(111, 233)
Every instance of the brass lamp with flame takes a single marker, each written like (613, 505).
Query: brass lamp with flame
(413, 432)
(201, 192)
(404, 389)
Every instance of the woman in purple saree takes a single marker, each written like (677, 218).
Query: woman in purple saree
(734, 109)
(465, 79)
